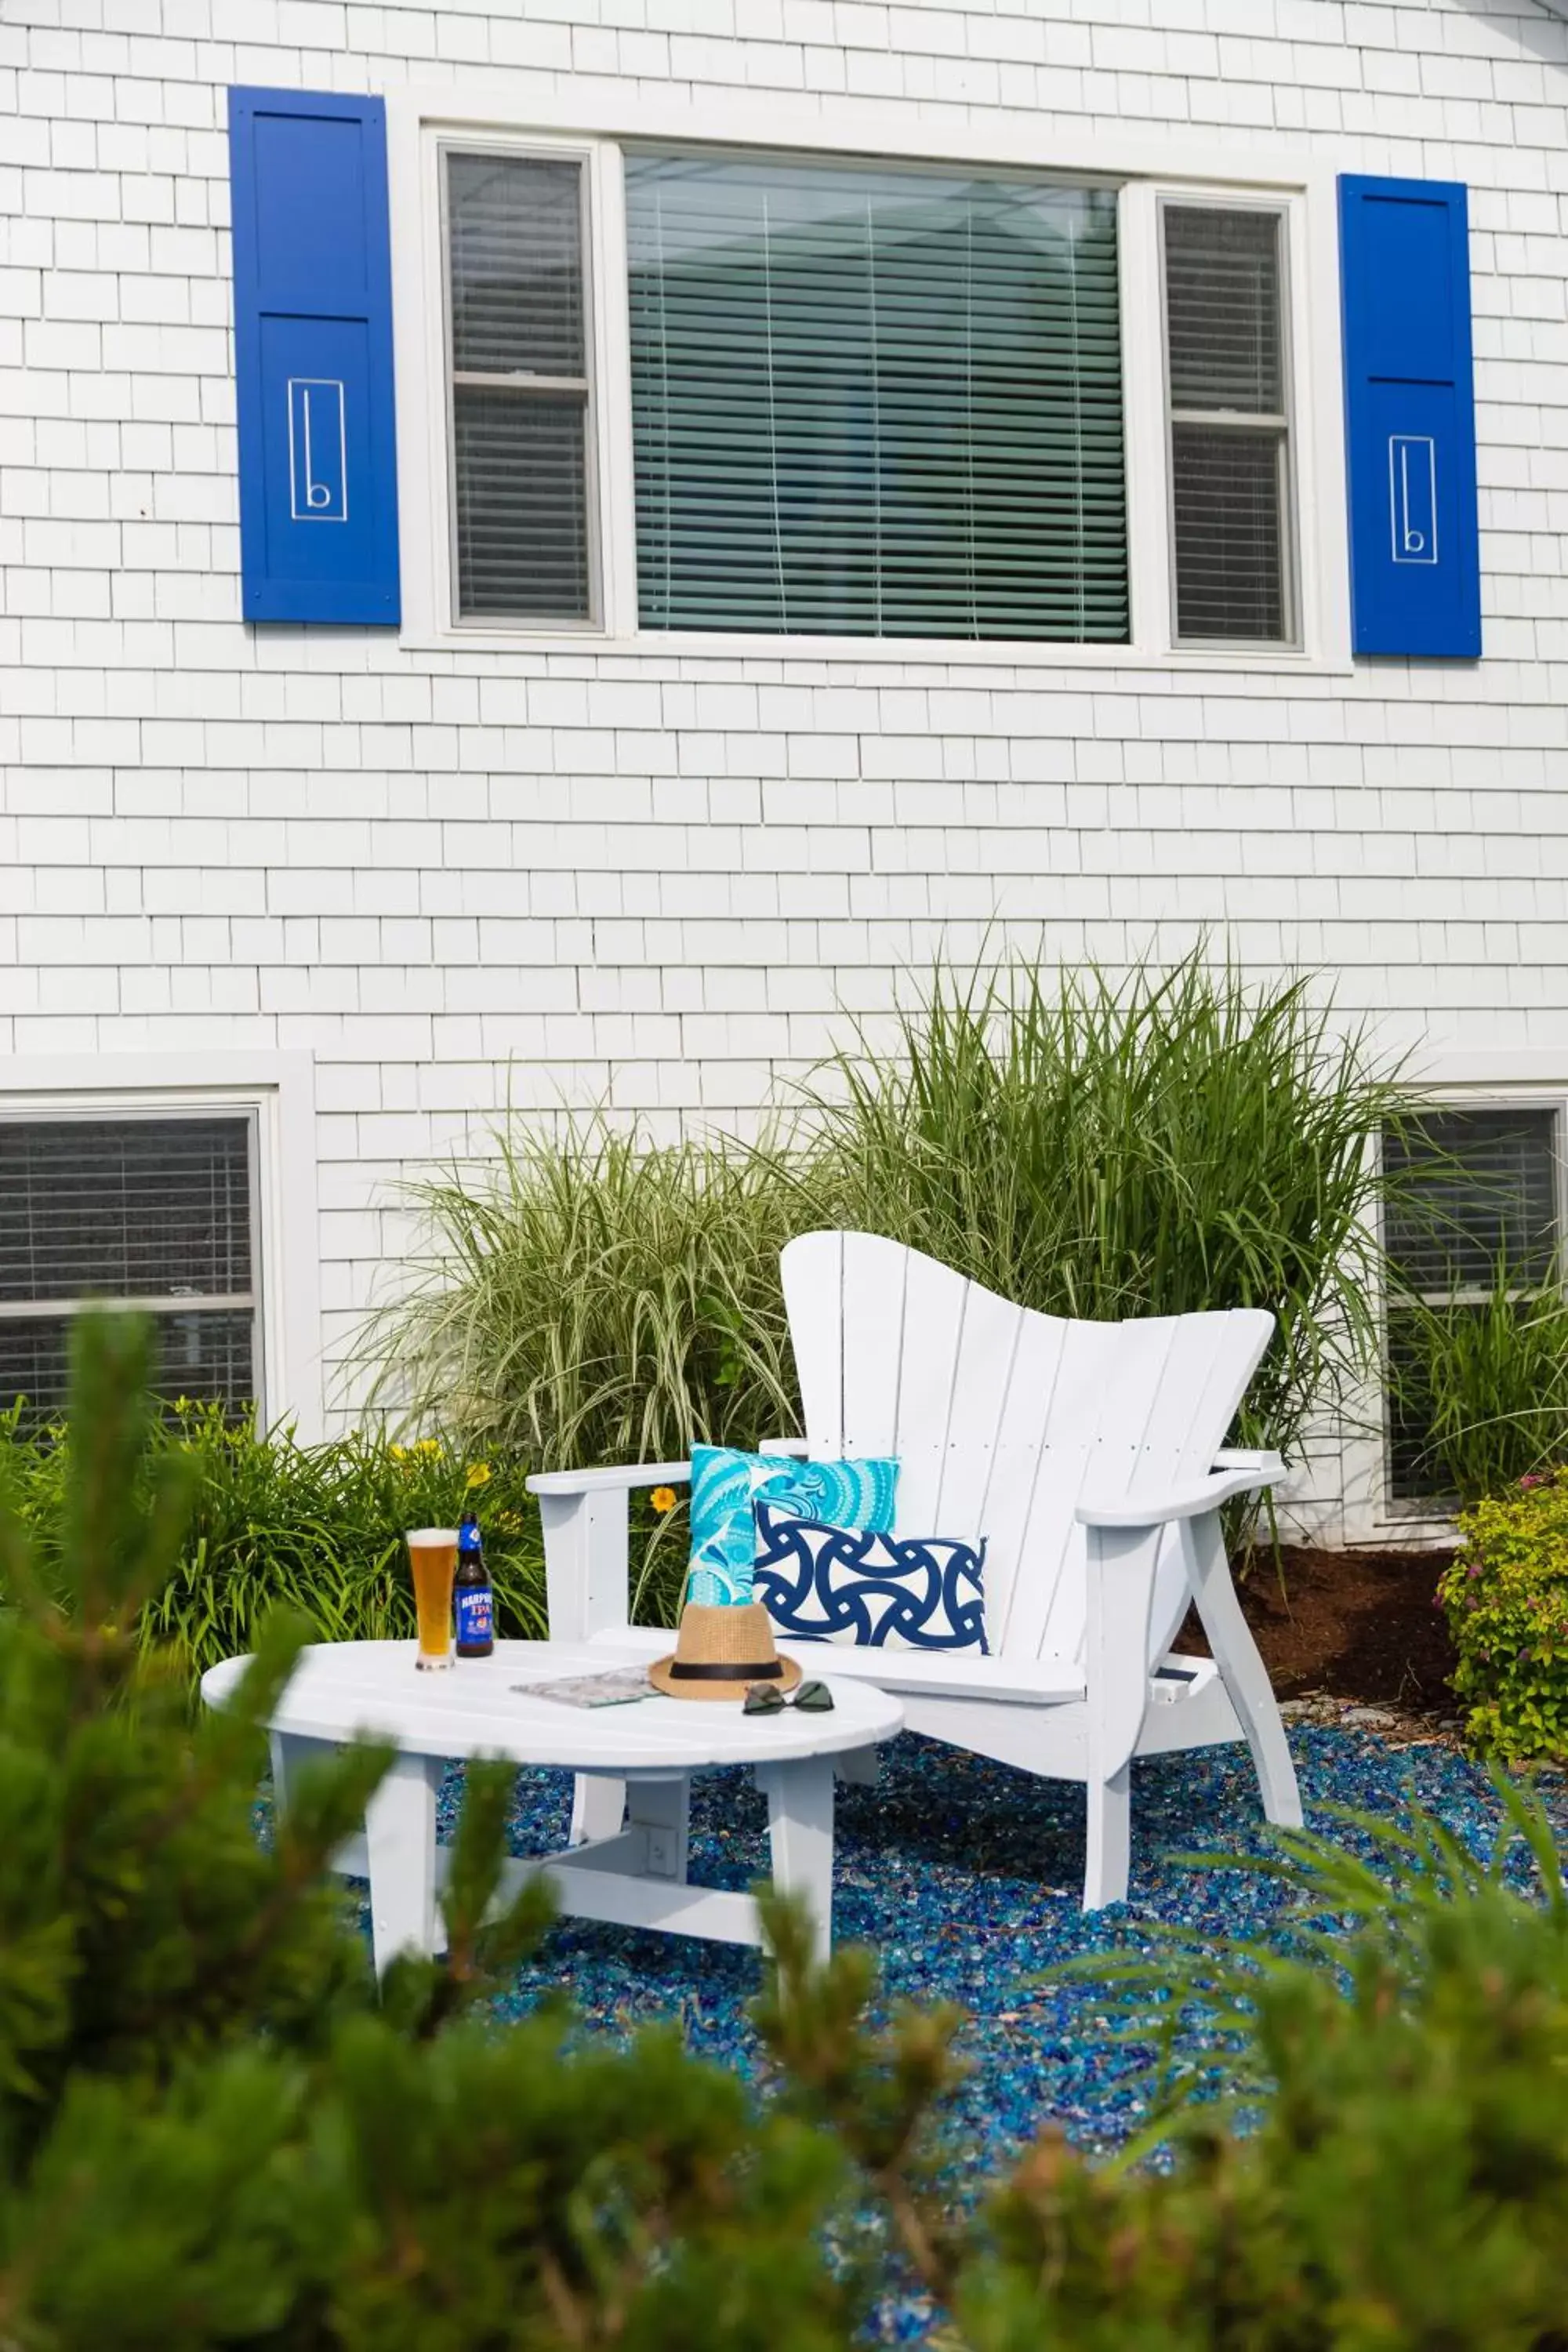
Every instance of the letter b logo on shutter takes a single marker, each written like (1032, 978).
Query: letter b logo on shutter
(313, 305)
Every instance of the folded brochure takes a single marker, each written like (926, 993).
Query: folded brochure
(616, 1687)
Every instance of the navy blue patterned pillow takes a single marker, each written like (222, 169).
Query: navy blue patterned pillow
(822, 1583)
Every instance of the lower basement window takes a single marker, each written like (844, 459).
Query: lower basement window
(156, 1212)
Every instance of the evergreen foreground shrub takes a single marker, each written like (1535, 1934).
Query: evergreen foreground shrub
(215, 2133)
(1505, 1594)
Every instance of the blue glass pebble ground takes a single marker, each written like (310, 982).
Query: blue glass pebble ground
(966, 1878)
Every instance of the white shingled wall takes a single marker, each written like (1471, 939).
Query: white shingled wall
(449, 874)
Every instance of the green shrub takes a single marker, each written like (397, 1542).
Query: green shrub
(213, 2134)
(316, 1527)
(1478, 1388)
(1404, 2183)
(1506, 1595)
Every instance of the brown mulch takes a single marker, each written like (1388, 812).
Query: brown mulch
(1357, 1627)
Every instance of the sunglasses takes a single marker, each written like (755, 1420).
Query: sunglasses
(766, 1698)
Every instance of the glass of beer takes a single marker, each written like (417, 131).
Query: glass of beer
(433, 1561)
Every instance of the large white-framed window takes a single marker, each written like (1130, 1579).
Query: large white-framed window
(186, 1192)
(853, 399)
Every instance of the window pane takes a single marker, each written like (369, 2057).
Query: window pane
(202, 1356)
(521, 507)
(520, 455)
(1415, 1470)
(124, 1208)
(874, 402)
(516, 231)
(1484, 1191)
(1487, 1192)
(1222, 298)
(1226, 499)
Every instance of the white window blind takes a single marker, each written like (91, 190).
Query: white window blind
(518, 348)
(1228, 423)
(154, 1212)
(874, 401)
(1484, 1204)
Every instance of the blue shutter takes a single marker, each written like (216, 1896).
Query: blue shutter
(312, 340)
(1410, 426)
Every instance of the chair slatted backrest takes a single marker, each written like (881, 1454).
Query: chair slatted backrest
(1002, 1419)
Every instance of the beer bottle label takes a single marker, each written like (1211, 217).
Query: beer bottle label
(475, 1616)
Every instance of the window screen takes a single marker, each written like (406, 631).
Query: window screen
(157, 1213)
(518, 342)
(874, 402)
(1229, 432)
(1481, 1195)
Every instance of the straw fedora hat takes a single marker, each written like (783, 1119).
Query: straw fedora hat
(719, 1651)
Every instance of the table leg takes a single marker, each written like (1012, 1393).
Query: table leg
(288, 1752)
(598, 1808)
(664, 1809)
(800, 1832)
(400, 1839)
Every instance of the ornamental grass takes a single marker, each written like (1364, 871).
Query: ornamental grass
(1177, 1141)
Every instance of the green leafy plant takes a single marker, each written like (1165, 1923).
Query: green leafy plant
(319, 1528)
(1479, 1388)
(1505, 1594)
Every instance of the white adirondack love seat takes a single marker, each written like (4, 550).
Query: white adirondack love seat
(1089, 1455)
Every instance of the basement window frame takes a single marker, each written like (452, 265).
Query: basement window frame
(275, 1089)
(1422, 1513)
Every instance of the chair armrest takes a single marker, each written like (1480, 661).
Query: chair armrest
(1179, 1502)
(621, 1479)
(1235, 1458)
(797, 1448)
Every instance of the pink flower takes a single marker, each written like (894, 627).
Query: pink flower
(1529, 1479)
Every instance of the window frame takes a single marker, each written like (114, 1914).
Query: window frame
(1300, 187)
(276, 1093)
(590, 623)
(1355, 1503)
(162, 1308)
(1282, 425)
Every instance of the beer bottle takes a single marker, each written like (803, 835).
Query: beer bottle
(471, 1594)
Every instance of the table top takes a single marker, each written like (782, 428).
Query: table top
(339, 1688)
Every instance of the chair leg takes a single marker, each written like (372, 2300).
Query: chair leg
(1110, 1840)
(1242, 1670)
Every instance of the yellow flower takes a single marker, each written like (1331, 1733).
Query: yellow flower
(399, 1453)
(663, 1498)
(429, 1445)
(478, 1475)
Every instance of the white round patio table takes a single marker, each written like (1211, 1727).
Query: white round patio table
(634, 1764)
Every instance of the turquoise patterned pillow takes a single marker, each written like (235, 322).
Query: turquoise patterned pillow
(724, 1487)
